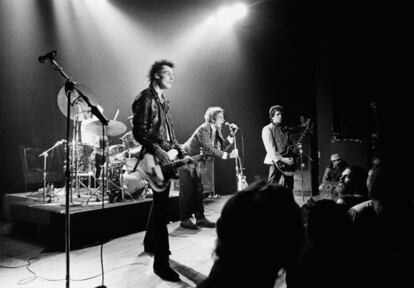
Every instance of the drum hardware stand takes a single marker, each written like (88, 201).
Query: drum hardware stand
(302, 165)
(75, 155)
(44, 154)
(70, 86)
(104, 179)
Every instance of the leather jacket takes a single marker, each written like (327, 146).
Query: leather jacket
(151, 121)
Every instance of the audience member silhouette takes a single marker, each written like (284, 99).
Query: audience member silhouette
(260, 231)
(352, 187)
(328, 251)
(384, 225)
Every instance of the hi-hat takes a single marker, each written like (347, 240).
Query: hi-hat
(114, 128)
(78, 108)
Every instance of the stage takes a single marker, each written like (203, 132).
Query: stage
(44, 222)
(32, 244)
(125, 263)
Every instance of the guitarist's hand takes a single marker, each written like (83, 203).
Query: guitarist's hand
(162, 156)
(288, 161)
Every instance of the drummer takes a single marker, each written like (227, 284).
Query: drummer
(87, 137)
(91, 139)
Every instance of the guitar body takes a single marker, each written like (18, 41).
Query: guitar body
(327, 190)
(286, 169)
(159, 176)
(292, 151)
(241, 182)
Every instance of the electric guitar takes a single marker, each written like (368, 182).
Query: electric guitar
(327, 190)
(157, 175)
(292, 151)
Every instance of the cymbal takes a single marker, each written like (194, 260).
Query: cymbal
(78, 108)
(114, 128)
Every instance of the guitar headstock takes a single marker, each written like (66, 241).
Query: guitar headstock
(305, 131)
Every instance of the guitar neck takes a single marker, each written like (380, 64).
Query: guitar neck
(182, 162)
(303, 133)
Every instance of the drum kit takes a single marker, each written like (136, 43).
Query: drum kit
(109, 171)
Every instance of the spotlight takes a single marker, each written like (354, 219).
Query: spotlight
(240, 10)
(230, 14)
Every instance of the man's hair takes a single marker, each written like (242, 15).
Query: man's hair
(275, 108)
(211, 113)
(377, 187)
(157, 67)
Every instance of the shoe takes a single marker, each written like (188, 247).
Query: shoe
(204, 222)
(188, 224)
(165, 272)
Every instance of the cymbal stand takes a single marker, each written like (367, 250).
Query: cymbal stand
(75, 156)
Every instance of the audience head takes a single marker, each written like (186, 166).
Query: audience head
(376, 183)
(353, 181)
(264, 224)
(328, 225)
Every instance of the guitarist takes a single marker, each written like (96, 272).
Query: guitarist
(208, 138)
(276, 140)
(153, 129)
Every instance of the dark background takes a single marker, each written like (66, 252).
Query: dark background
(325, 60)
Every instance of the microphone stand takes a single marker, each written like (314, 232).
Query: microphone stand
(69, 87)
(301, 153)
(44, 154)
(241, 179)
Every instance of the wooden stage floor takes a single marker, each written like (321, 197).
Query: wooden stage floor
(125, 263)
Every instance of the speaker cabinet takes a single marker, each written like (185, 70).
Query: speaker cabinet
(207, 177)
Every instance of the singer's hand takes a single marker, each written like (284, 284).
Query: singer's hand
(233, 154)
(233, 130)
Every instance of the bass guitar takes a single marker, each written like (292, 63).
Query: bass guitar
(292, 151)
(157, 175)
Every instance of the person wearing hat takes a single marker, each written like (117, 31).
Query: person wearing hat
(276, 141)
(334, 170)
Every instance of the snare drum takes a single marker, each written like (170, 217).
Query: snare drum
(116, 153)
(130, 164)
(82, 154)
(129, 142)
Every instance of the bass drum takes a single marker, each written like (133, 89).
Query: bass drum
(134, 182)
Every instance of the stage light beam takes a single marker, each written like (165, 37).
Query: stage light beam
(240, 10)
(231, 14)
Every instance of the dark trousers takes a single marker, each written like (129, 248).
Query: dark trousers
(156, 237)
(191, 193)
(275, 175)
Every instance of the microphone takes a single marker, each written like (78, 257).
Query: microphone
(231, 125)
(50, 55)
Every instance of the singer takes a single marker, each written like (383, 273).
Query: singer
(206, 137)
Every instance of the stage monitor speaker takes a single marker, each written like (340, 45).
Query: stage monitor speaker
(207, 176)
